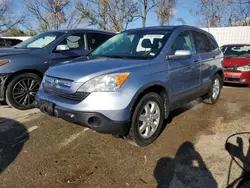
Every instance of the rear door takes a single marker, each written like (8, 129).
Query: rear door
(206, 54)
(77, 47)
(184, 73)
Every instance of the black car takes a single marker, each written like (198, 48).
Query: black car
(9, 42)
(22, 66)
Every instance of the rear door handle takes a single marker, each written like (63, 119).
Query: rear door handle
(196, 60)
(189, 69)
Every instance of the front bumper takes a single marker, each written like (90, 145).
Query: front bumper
(93, 120)
(237, 77)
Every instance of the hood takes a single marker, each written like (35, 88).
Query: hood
(236, 62)
(83, 69)
(13, 51)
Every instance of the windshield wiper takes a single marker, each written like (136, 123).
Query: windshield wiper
(114, 56)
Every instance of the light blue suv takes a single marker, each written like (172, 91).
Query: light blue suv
(128, 85)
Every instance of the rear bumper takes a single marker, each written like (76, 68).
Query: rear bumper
(3, 78)
(237, 77)
(93, 120)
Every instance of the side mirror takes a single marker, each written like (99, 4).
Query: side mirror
(62, 47)
(180, 54)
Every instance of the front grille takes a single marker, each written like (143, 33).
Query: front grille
(78, 96)
(231, 69)
(232, 79)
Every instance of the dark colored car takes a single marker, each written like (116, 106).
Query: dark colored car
(237, 63)
(8, 42)
(22, 67)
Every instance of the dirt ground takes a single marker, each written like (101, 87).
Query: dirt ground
(41, 151)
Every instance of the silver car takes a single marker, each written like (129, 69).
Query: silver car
(128, 85)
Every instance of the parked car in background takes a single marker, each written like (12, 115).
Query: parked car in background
(128, 85)
(22, 67)
(237, 63)
(9, 42)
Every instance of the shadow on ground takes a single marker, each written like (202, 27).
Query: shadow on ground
(241, 158)
(186, 170)
(13, 135)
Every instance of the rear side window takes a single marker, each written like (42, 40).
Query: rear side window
(201, 42)
(182, 42)
(213, 43)
(96, 39)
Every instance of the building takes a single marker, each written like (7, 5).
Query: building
(230, 35)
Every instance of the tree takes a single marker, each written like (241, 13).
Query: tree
(144, 7)
(217, 13)
(240, 13)
(7, 17)
(113, 15)
(14, 32)
(211, 12)
(52, 14)
(165, 10)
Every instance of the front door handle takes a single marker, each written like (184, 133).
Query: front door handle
(196, 60)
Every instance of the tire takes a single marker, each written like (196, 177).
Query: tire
(212, 98)
(134, 136)
(20, 86)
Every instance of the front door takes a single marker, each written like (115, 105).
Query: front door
(184, 73)
(76, 44)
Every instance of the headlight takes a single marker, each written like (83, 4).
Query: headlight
(105, 83)
(3, 62)
(244, 68)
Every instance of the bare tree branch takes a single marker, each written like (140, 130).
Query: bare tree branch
(7, 17)
(113, 15)
(165, 10)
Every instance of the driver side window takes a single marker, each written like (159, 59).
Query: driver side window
(74, 41)
(182, 42)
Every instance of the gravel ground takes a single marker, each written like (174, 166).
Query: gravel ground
(41, 151)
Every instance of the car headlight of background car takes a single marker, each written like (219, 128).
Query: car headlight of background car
(4, 61)
(104, 83)
(244, 68)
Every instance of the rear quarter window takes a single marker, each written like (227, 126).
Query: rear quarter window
(201, 42)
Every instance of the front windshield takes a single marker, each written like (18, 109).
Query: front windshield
(136, 44)
(39, 41)
(237, 51)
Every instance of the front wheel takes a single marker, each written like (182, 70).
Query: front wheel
(214, 91)
(21, 91)
(147, 120)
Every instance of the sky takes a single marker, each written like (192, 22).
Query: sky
(182, 10)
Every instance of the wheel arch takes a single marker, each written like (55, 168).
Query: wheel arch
(153, 87)
(11, 76)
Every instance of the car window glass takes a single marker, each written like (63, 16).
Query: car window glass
(2, 43)
(213, 44)
(201, 43)
(74, 41)
(182, 42)
(237, 51)
(96, 39)
(134, 44)
(42, 42)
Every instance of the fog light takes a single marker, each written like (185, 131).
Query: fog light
(94, 121)
(243, 80)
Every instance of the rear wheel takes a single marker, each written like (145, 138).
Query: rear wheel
(147, 120)
(215, 90)
(21, 91)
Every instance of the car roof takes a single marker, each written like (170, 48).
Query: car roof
(236, 45)
(170, 27)
(82, 30)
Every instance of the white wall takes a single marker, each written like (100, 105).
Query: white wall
(230, 35)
